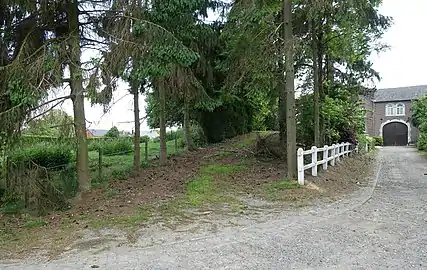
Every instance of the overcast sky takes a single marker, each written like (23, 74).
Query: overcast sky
(403, 65)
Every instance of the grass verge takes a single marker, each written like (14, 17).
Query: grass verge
(274, 190)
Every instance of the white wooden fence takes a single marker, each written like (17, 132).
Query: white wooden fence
(330, 155)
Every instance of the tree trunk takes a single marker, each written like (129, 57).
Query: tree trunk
(77, 98)
(281, 89)
(320, 55)
(137, 135)
(188, 140)
(316, 81)
(162, 120)
(290, 91)
(281, 92)
(329, 74)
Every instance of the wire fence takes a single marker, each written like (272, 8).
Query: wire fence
(49, 187)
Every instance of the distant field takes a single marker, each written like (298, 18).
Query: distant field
(119, 166)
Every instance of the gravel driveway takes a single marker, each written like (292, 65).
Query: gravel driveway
(382, 226)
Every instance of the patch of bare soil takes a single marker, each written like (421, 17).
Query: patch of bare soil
(125, 202)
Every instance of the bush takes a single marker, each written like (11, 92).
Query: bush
(43, 154)
(170, 135)
(198, 136)
(363, 140)
(94, 144)
(144, 139)
(196, 133)
(121, 146)
(378, 140)
(112, 133)
(422, 142)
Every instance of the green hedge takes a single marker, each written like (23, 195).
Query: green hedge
(43, 154)
(121, 146)
(378, 140)
(422, 142)
(144, 139)
(363, 140)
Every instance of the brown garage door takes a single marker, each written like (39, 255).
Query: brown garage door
(395, 134)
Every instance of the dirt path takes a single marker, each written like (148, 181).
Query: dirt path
(381, 226)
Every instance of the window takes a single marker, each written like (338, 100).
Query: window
(395, 109)
(400, 109)
(389, 110)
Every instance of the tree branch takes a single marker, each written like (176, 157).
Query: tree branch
(50, 101)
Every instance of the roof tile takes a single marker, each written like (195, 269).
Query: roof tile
(400, 93)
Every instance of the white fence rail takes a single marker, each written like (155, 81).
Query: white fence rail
(330, 155)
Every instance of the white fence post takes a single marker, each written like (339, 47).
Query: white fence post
(333, 155)
(300, 165)
(343, 150)
(325, 157)
(346, 149)
(338, 152)
(314, 161)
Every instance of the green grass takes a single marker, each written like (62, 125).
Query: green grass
(208, 187)
(12, 207)
(273, 189)
(35, 223)
(247, 141)
(120, 166)
(111, 192)
(201, 190)
(140, 216)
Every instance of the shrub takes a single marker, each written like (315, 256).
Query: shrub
(121, 146)
(43, 154)
(198, 135)
(422, 142)
(363, 140)
(378, 140)
(113, 133)
(144, 139)
(170, 135)
(94, 144)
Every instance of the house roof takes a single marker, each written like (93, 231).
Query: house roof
(98, 132)
(400, 93)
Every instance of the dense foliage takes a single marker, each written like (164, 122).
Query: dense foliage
(214, 79)
(48, 155)
(113, 133)
(55, 123)
(112, 146)
(419, 120)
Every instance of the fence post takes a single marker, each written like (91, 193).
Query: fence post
(325, 157)
(333, 155)
(314, 161)
(343, 150)
(337, 152)
(146, 151)
(300, 165)
(176, 141)
(100, 164)
(366, 147)
(7, 170)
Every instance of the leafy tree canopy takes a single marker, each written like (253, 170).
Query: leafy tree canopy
(113, 133)
(56, 123)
